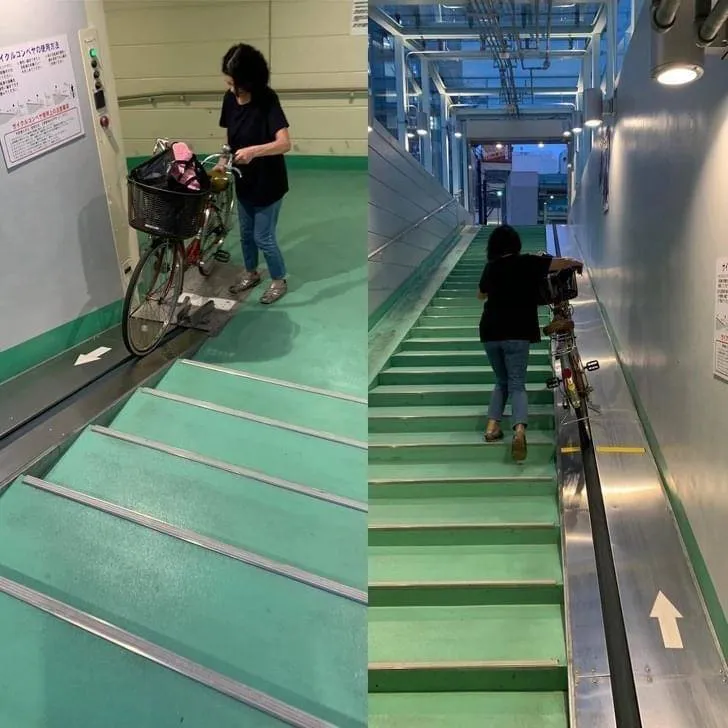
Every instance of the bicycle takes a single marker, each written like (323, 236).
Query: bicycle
(558, 290)
(169, 218)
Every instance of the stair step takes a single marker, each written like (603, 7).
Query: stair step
(205, 606)
(395, 395)
(482, 486)
(435, 358)
(289, 527)
(445, 331)
(468, 710)
(467, 418)
(443, 343)
(454, 446)
(60, 675)
(483, 374)
(297, 406)
(308, 460)
(468, 648)
(498, 472)
(463, 575)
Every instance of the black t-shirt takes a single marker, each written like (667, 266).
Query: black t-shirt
(265, 180)
(511, 311)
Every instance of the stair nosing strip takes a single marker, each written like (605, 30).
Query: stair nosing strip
(197, 539)
(161, 656)
(462, 584)
(271, 380)
(467, 665)
(255, 475)
(526, 525)
(464, 479)
(241, 414)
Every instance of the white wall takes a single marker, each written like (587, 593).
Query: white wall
(653, 258)
(402, 193)
(55, 229)
(163, 46)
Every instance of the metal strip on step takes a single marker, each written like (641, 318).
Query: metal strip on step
(463, 584)
(259, 477)
(197, 539)
(165, 658)
(278, 382)
(468, 665)
(459, 526)
(278, 424)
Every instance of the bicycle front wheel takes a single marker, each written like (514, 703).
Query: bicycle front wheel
(152, 296)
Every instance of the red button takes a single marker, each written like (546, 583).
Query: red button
(104, 121)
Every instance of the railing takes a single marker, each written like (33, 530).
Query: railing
(412, 227)
(185, 96)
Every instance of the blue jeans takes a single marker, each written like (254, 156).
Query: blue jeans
(258, 234)
(509, 360)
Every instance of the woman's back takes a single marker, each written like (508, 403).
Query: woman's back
(511, 285)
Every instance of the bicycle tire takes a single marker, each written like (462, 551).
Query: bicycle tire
(580, 380)
(177, 278)
(216, 224)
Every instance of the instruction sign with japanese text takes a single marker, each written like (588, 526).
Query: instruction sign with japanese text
(359, 18)
(720, 355)
(39, 105)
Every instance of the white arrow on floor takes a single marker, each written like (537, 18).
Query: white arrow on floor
(666, 614)
(94, 355)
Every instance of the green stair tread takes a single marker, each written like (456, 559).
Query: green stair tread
(487, 510)
(54, 674)
(465, 563)
(392, 439)
(212, 609)
(512, 633)
(425, 388)
(300, 458)
(468, 710)
(460, 369)
(458, 471)
(296, 406)
(320, 537)
(416, 412)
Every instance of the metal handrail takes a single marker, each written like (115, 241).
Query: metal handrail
(183, 95)
(412, 227)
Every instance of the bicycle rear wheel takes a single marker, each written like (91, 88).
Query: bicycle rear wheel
(152, 296)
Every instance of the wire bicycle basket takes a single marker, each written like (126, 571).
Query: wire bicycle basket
(160, 206)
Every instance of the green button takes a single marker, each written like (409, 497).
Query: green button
(93, 53)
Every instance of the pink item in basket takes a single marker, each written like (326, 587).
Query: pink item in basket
(182, 168)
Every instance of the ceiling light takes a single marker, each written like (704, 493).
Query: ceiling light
(676, 58)
(678, 75)
(458, 134)
(422, 122)
(567, 133)
(541, 145)
(499, 146)
(410, 135)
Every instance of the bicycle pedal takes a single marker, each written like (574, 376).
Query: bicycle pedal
(222, 256)
(553, 383)
(592, 366)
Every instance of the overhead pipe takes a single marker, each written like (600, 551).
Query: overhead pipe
(664, 13)
(709, 29)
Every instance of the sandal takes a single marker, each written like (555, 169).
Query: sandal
(519, 448)
(493, 435)
(248, 281)
(276, 290)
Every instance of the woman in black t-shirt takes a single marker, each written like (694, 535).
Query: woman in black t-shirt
(509, 325)
(257, 133)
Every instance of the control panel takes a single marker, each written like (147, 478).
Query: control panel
(105, 110)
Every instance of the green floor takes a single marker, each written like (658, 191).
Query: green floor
(466, 624)
(228, 455)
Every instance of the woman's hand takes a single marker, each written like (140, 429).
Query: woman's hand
(245, 155)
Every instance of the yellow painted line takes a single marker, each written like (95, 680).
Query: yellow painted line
(614, 450)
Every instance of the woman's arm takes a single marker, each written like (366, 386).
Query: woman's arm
(281, 145)
(558, 264)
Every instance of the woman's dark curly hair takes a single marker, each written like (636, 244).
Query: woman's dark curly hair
(504, 240)
(247, 67)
